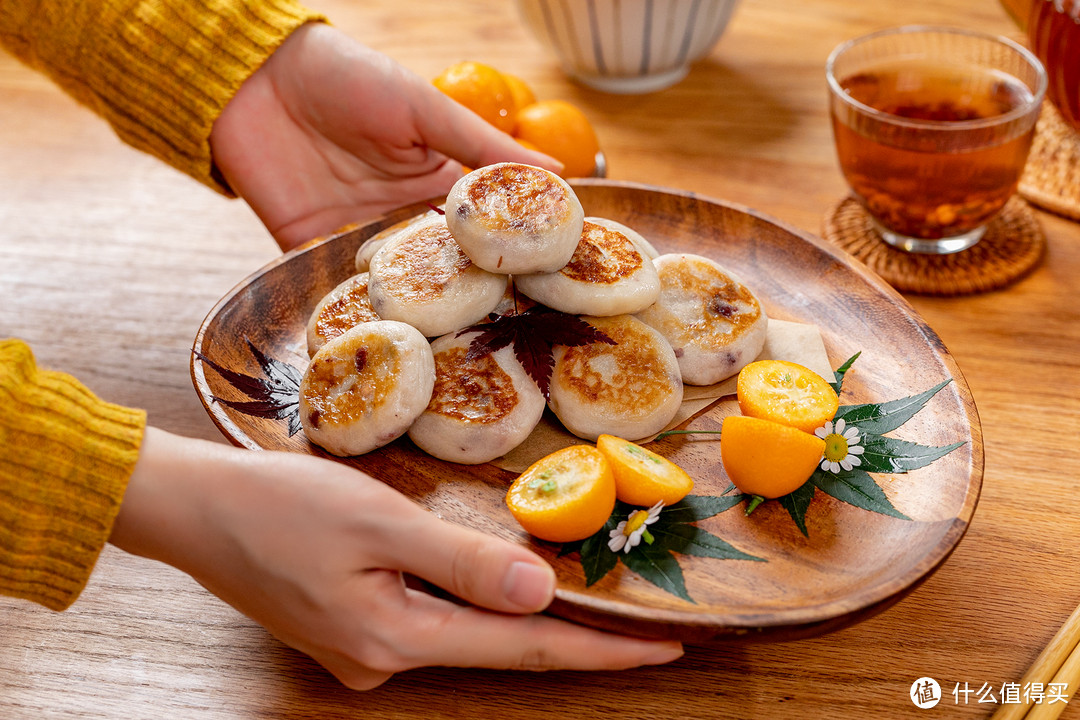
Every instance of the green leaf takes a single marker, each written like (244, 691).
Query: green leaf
(880, 418)
(672, 531)
(842, 370)
(657, 565)
(597, 560)
(695, 507)
(857, 488)
(891, 455)
(797, 503)
(690, 540)
(570, 548)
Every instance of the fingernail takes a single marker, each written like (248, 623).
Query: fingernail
(529, 586)
(666, 655)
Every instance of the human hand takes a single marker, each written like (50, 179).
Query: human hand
(316, 551)
(329, 132)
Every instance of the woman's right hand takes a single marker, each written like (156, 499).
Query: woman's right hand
(316, 552)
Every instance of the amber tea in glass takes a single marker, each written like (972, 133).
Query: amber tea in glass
(1053, 28)
(932, 129)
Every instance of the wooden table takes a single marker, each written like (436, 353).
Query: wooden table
(109, 261)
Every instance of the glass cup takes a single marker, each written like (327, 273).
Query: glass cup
(932, 129)
(1053, 28)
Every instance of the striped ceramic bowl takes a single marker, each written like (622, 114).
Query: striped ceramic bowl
(627, 46)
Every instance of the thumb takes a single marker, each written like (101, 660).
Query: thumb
(483, 570)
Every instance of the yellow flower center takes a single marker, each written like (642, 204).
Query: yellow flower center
(635, 521)
(836, 447)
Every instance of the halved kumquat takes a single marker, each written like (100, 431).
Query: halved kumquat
(787, 393)
(642, 477)
(565, 496)
(766, 458)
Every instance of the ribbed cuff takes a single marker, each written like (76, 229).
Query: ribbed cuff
(66, 463)
(159, 71)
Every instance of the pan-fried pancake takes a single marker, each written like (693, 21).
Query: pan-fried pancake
(713, 322)
(512, 218)
(644, 245)
(631, 389)
(364, 388)
(609, 274)
(344, 307)
(422, 277)
(367, 250)
(480, 409)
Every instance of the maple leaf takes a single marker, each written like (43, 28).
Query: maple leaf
(277, 396)
(534, 335)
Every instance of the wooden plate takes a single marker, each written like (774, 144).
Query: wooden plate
(853, 563)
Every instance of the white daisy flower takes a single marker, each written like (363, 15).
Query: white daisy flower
(630, 531)
(842, 448)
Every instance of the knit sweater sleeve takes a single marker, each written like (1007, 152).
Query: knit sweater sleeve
(67, 457)
(159, 71)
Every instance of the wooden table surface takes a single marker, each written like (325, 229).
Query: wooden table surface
(109, 261)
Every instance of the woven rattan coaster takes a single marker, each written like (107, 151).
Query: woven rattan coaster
(1012, 246)
(1051, 178)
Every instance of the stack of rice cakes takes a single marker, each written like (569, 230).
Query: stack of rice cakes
(389, 345)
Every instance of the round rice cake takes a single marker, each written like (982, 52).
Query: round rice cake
(631, 389)
(608, 274)
(422, 277)
(343, 308)
(513, 218)
(480, 408)
(373, 244)
(365, 387)
(638, 239)
(715, 324)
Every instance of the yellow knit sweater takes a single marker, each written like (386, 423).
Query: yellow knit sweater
(160, 72)
(66, 461)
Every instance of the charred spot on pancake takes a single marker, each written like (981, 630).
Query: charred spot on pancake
(727, 307)
(347, 311)
(630, 375)
(339, 390)
(419, 264)
(602, 256)
(313, 418)
(735, 304)
(478, 391)
(518, 197)
(720, 306)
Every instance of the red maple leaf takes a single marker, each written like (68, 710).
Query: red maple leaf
(534, 335)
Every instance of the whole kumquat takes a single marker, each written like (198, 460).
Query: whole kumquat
(565, 496)
(787, 393)
(765, 458)
(519, 90)
(482, 89)
(559, 129)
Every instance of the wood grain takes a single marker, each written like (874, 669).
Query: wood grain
(852, 562)
(109, 263)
